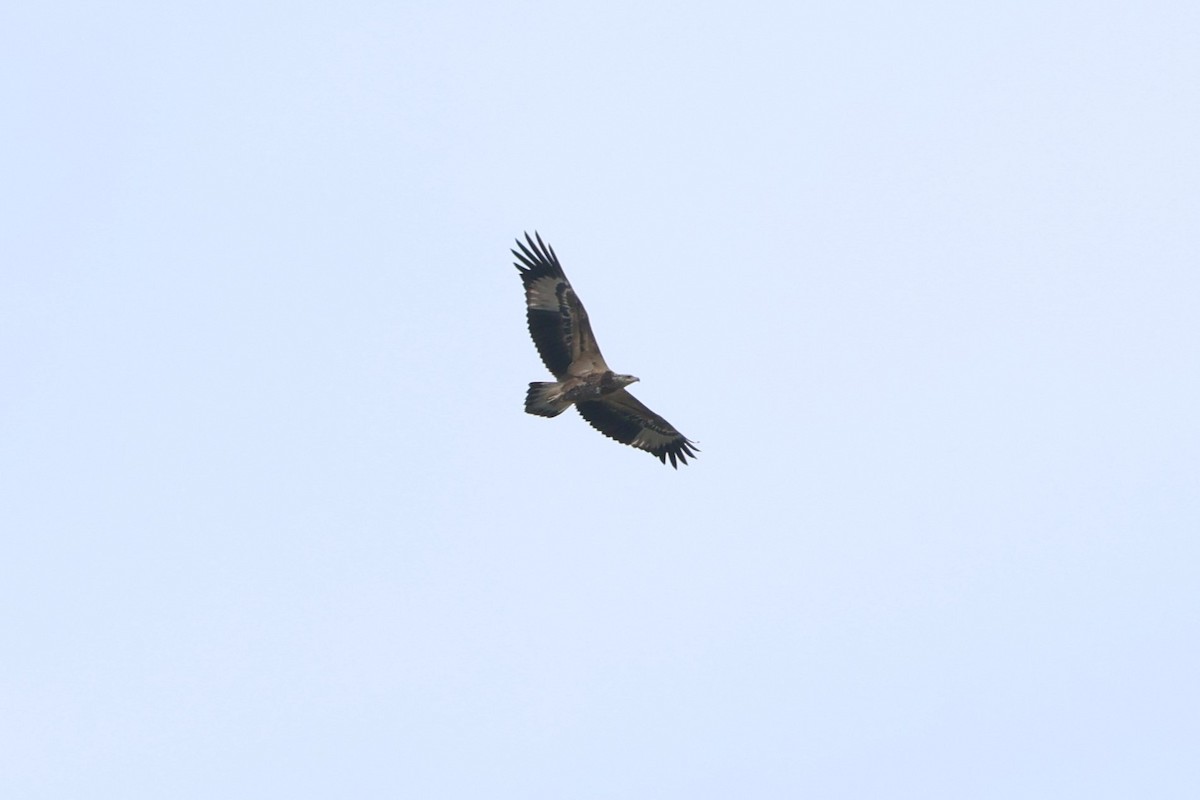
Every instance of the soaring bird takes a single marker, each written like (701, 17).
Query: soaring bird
(560, 329)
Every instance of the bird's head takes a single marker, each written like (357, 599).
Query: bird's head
(625, 380)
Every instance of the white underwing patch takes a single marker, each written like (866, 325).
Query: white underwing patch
(542, 294)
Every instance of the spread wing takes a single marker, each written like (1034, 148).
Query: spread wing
(557, 322)
(622, 416)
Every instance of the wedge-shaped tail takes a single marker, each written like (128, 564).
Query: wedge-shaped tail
(544, 399)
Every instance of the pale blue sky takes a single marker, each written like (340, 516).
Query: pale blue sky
(921, 279)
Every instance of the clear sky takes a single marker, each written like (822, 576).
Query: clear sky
(921, 279)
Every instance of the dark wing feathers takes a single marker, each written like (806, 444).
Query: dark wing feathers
(563, 335)
(623, 417)
(558, 322)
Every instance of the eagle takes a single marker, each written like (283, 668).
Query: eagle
(563, 336)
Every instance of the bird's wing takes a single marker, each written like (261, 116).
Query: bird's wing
(557, 321)
(622, 416)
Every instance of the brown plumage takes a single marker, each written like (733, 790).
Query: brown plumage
(562, 333)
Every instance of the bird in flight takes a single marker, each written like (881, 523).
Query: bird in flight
(560, 329)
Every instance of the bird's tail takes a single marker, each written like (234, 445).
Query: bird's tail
(544, 399)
